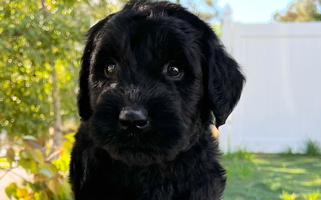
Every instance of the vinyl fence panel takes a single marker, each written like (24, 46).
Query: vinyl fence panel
(280, 108)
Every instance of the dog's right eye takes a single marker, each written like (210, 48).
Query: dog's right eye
(110, 68)
(174, 72)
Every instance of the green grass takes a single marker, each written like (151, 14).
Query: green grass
(272, 177)
(312, 148)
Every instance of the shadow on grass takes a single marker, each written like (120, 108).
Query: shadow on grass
(272, 177)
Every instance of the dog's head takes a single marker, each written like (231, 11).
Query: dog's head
(151, 75)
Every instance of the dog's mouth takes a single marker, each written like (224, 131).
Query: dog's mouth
(139, 139)
(136, 147)
(140, 147)
(140, 128)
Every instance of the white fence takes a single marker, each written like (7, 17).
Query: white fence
(280, 107)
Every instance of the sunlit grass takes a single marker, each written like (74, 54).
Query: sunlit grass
(285, 170)
(272, 177)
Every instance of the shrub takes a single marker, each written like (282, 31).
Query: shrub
(47, 167)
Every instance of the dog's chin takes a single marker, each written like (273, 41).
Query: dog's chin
(135, 156)
(140, 147)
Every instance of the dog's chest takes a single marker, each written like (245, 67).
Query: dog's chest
(130, 183)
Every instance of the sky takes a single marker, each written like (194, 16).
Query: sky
(254, 11)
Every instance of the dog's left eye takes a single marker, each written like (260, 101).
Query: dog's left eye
(110, 68)
(173, 71)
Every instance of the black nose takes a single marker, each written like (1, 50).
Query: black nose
(133, 117)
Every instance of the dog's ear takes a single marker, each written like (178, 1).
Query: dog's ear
(225, 81)
(83, 102)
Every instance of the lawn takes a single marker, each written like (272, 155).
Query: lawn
(269, 176)
(272, 177)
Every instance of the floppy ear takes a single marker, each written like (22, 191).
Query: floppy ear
(225, 82)
(83, 102)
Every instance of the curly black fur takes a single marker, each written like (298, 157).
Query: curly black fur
(175, 156)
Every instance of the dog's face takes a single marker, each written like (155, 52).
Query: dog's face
(150, 75)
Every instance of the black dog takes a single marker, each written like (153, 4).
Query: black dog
(151, 77)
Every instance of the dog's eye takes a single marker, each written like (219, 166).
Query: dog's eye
(110, 68)
(174, 71)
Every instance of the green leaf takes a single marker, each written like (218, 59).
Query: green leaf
(46, 171)
(25, 160)
(21, 192)
(10, 155)
(23, 163)
(38, 156)
(67, 145)
(70, 137)
(33, 166)
(11, 189)
(53, 186)
(24, 154)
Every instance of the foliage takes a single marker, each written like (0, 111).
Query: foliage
(312, 148)
(37, 36)
(217, 29)
(48, 171)
(269, 176)
(300, 10)
(99, 9)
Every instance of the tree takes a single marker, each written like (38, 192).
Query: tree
(41, 43)
(300, 10)
(40, 49)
